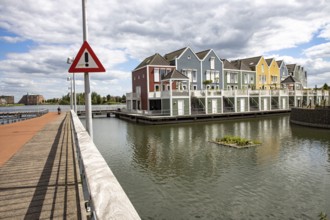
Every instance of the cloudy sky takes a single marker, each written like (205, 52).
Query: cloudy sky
(37, 36)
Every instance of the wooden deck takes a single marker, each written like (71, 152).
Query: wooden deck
(42, 180)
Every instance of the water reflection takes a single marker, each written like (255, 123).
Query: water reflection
(173, 172)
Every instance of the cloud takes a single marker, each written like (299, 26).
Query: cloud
(122, 31)
(325, 32)
(321, 50)
(10, 39)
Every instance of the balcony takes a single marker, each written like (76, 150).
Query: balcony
(167, 94)
(132, 96)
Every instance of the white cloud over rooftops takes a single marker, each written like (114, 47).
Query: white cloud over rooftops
(120, 31)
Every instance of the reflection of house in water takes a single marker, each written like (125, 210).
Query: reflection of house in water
(184, 150)
(271, 133)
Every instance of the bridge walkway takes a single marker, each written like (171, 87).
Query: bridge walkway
(42, 180)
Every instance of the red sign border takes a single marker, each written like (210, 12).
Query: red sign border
(73, 68)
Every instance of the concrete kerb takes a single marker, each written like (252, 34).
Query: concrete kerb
(106, 196)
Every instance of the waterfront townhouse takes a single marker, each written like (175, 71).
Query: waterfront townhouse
(260, 66)
(299, 74)
(187, 83)
(291, 83)
(158, 88)
(246, 75)
(274, 76)
(211, 69)
(232, 75)
(302, 76)
(187, 62)
(284, 73)
(146, 78)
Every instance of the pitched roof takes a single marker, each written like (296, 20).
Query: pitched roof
(174, 74)
(279, 62)
(269, 61)
(291, 67)
(228, 65)
(290, 79)
(241, 65)
(252, 61)
(201, 55)
(155, 59)
(172, 55)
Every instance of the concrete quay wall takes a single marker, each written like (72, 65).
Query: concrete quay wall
(319, 117)
(107, 199)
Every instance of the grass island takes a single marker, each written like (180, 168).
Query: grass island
(237, 142)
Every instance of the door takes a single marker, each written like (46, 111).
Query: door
(242, 105)
(214, 106)
(180, 107)
(283, 103)
(265, 104)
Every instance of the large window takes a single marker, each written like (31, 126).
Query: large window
(191, 74)
(262, 79)
(194, 75)
(156, 75)
(274, 79)
(232, 77)
(245, 78)
(212, 75)
(212, 65)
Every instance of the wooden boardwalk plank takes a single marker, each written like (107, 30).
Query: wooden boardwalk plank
(41, 180)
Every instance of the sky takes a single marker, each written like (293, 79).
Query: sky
(37, 37)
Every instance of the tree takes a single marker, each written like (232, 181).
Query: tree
(108, 98)
(123, 98)
(325, 87)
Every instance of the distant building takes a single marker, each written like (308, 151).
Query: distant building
(6, 100)
(31, 99)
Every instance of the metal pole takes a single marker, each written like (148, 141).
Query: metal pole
(88, 103)
(74, 94)
(71, 97)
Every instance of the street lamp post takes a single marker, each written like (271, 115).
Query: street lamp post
(71, 98)
(88, 103)
(69, 61)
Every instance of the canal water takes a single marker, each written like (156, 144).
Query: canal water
(174, 172)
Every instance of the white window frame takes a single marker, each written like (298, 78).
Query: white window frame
(208, 75)
(228, 77)
(212, 63)
(246, 76)
(156, 75)
(194, 75)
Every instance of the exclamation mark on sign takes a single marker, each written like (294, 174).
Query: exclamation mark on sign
(86, 59)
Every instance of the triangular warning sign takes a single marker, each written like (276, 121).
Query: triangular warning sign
(86, 61)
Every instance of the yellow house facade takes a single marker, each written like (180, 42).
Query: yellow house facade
(261, 67)
(274, 76)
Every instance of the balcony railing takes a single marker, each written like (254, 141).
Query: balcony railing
(228, 93)
(132, 95)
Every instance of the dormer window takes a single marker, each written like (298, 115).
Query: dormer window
(189, 57)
